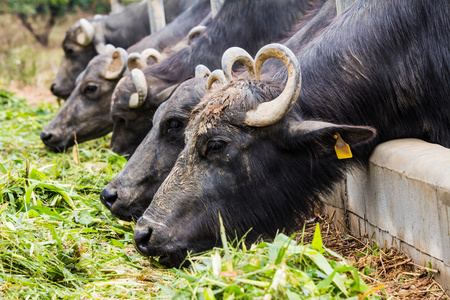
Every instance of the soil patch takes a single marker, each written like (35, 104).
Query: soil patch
(397, 273)
(34, 95)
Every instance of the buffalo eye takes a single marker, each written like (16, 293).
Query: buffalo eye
(173, 125)
(215, 146)
(69, 52)
(90, 89)
(118, 120)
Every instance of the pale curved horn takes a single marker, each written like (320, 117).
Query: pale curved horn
(195, 31)
(87, 33)
(234, 54)
(134, 61)
(268, 113)
(216, 75)
(138, 98)
(109, 49)
(118, 64)
(153, 53)
(202, 71)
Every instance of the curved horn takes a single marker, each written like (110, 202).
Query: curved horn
(134, 61)
(117, 65)
(87, 33)
(109, 49)
(202, 71)
(268, 113)
(138, 98)
(151, 52)
(196, 31)
(234, 54)
(216, 75)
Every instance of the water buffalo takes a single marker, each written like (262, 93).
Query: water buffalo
(87, 38)
(155, 157)
(86, 112)
(131, 191)
(379, 72)
(245, 23)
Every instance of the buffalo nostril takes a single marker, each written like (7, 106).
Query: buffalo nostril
(108, 197)
(141, 240)
(52, 87)
(45, 137)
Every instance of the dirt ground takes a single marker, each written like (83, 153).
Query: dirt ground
(395, 274)
(34, 95)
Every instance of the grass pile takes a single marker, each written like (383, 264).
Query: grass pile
(57, 241)
(282, 269)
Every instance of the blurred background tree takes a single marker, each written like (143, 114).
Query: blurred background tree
(40, 16)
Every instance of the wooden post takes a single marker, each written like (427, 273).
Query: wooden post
(342, 5)
(215, 7)
(116, 6)
(156, 15)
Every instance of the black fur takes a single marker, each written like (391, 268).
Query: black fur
(383, 64)
(122, 29)
(131, 191)
(245, 23)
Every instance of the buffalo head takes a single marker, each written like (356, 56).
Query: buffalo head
(248, 159)
(129, 194)
(86, 111)
(134, 103)
(81, 43)
(137, 97)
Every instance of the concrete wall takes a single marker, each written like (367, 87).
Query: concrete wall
(403, 200)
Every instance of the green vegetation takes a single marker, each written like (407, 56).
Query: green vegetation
(57, 241)
(40, 16)
(278, 270)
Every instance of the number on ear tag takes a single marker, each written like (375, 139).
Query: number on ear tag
(342, 148)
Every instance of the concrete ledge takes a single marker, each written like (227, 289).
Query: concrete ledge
(403, 200)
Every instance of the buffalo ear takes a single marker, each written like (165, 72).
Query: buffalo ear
(320, 137)
(165, 94)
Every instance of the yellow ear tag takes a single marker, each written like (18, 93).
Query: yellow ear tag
(342, 148)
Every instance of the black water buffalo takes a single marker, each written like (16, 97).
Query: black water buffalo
(131, 191)
(379, 72)
(86, 111)
(245, 23)
(155, 157)
(87, 38)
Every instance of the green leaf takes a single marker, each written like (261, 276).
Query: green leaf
(208, 294)
(49, 212)
(317, 243)
(280, 255)
(223, 237)
(117, 243)
(292, 296)
(85, 218)
(325, 266)
(50, 187)
(55, 236)
(2, 169)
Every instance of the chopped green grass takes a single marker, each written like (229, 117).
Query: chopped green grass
(278, 270)
(57, 241)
